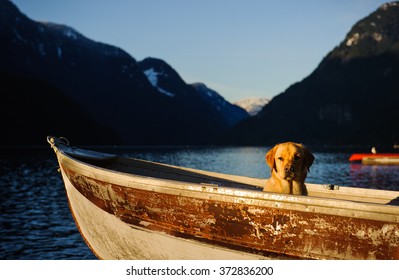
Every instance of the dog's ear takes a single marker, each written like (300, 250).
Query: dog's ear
(309, 158)
(270, 158)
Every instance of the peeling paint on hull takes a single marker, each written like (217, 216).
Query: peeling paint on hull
(261, 230)
(122, 216)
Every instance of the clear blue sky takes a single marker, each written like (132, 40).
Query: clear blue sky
(239, 48)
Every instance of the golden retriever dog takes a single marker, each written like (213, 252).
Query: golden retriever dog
(289, 164)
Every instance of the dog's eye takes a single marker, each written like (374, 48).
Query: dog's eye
(280, 159)
(296, 157)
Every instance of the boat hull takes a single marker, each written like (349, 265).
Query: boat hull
(110, 238)
(123, 216)
(372, 157)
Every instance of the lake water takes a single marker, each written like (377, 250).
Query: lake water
(35, 221)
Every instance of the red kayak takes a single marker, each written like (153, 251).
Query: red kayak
(359, 157)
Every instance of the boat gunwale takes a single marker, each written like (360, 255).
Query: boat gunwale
(325, 205)
(327, 189)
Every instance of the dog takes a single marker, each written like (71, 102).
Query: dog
(289, 165)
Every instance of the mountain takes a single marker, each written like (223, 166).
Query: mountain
(253, 105)
(130, 100)
(202, 111)
(195, 97)
(351, 98)
(231, 113)
(41, 116)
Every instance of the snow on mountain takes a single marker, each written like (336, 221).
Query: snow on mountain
(152, 76)
(253, 105)
(142, 103)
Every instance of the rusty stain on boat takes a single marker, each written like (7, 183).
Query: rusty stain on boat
(247, 226)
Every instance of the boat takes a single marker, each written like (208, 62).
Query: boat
(361, 156)
(128, 208)
(376, 159)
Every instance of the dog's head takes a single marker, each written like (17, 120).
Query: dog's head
(290, 161)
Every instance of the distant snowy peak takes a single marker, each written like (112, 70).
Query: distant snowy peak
(252, 105)
(152, 76)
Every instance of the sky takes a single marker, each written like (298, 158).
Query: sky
(240, 48)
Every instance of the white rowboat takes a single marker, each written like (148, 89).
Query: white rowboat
(134, 209)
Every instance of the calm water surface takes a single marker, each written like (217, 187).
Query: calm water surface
(35, 221)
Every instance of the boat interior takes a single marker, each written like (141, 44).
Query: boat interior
(218, 180)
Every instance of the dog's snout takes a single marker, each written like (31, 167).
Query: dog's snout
(289, 168)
